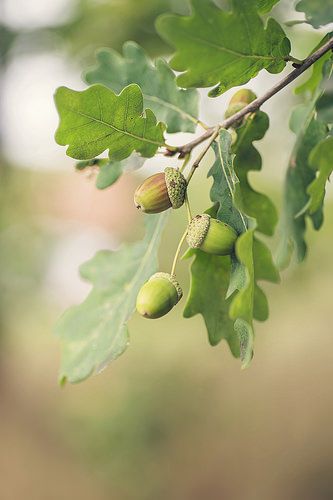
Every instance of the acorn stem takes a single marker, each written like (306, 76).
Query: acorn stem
(188, 208)
(186, 160)
(181, 241)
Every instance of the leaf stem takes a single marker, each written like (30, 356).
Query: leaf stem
(254, 105)
(181, 241)
(186, 160)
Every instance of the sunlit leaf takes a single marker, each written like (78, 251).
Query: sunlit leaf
(95, 332)
(222, 47)
(176, 107)
(96, 119)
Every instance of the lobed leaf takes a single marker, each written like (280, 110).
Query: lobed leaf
(208, 288)
(214, 46)
(218, 284)
(317, 12)
(247, 158)
(96, 119)
(176, 107)
(95, 332)
(309, 131)
(321, 159)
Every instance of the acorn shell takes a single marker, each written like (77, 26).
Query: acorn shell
(152, 195)
(158, 296)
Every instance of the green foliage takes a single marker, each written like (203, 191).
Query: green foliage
(265, 6)
(317, 12)
(247, 158)
(223, 46)
(176, 107)
(211, 273)
(220, 47)
(95, 332)
(309, 131)
(235, 287)
(321, 159)
(97, 119)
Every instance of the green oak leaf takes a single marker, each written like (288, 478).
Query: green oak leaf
(176, 107)
(318, 69)
(321, 159)
(109, 174)
(317, 12)
(110, 171)
(247, 158)
(309, 131)
(209, 282)
(97, 119)
(252, 261)
(265, 6)
(214, 46)
(94, 333)
(224, 185)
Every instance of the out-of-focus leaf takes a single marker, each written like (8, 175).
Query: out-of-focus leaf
(109, 174)
(265, 6)
(95, 332)
(96, 119)
(317, 12)
(176, 107)
(317, 70)
(309, 131)
(221, 47)
(321, 159)
(247, 158)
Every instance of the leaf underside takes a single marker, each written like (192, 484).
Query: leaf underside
(94, 333)
(222, 47)
(310, 129)
(177, 108)
(317, 12)
(96, 119)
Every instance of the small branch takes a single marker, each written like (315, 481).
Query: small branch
(253, 106)
(203, 152)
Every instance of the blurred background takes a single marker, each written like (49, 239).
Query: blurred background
(173, 417)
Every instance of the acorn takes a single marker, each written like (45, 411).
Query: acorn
(211, 235)
(161, 191)
(239, 100)
(158, 296)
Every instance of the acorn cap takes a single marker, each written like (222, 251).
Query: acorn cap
(176, 186)
(211, 235)
(158, 296)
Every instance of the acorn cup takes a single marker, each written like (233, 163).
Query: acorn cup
(239, 100)
(161, 191)
(211, 235)
(158, 296)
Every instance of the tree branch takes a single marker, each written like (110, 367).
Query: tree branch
(253, 106)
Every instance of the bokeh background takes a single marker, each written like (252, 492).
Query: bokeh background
(173, 417)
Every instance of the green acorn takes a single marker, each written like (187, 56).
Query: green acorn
(239, 100)
(211, 235)
(158, 296)
(161, 191)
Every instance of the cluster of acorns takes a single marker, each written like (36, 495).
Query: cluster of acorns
(156, 194)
